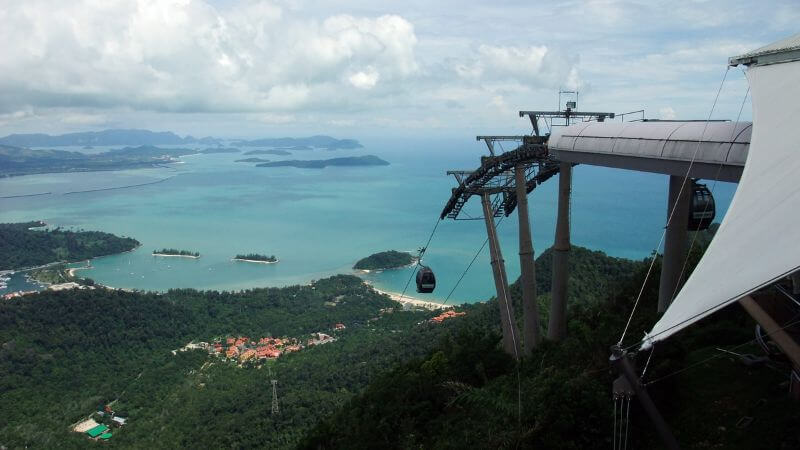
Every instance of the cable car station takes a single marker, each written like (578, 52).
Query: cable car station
(682, 150)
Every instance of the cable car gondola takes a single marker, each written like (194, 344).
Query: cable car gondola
(426, 280)
(701, 210)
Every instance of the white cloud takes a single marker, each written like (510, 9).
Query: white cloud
(185, 55)
(276, 119)
(534, 66)
(667, 113)
(84, 119)
(365, 79)
(307, 65)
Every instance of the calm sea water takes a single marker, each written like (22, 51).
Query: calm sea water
(319, 222)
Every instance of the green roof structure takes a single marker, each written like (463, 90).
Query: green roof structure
(97, 431)
(106, 436)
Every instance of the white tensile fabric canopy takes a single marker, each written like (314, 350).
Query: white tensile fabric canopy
(758, 241)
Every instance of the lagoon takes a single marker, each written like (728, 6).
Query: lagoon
(319, 222)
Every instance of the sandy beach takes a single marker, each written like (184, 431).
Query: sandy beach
(255, 261)
(165, 255)
(413, 301)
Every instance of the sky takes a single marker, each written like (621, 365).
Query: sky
(367, 68)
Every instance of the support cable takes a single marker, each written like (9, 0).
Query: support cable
(614, 434)
(512, 323)
(614, 439)
(718, 355)
(674, 207)
(464, 273)
(647, 364)
(627, 420)
(713, 186)
(419, 259)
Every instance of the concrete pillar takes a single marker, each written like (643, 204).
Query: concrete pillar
(557, 325)
(530, 307)
(511, 338)
(676, 241)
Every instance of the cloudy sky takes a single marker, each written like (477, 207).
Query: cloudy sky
(365, 67)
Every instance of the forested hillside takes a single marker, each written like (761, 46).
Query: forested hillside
(63, 353)
(23, 245)
(391, 379)
(467, 393)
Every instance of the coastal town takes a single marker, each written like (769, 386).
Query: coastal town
(244, 350)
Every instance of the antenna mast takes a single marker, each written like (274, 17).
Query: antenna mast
(275, 409)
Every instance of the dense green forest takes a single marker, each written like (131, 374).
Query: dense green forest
(392, 379)
(175, 252)
(384, 260)
(63, 353)
(466, 392)
(22, 245)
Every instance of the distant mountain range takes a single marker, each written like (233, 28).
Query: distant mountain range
(147, 137)
(106, 137)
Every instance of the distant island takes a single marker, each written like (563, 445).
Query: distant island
(26, 244)
(176, 252)
(296, 148)
(23, 161)
(220, 150)
(256, 258)
(391, 259)
(366, 160)
(18, 157)
(252, 160)
(319, 141)
(268, 152)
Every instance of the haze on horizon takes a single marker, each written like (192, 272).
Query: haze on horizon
(352, 69)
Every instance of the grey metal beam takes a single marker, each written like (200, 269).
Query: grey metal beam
(571, 113)
(507, 321)
(500, 138)
(709, 171)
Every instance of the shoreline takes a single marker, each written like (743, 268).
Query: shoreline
(255, 261)
(412, 301)
(71, 271)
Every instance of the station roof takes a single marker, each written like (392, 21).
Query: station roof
(719, 149)
(780, 51)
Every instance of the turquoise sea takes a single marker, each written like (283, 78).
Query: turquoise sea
(319, 222)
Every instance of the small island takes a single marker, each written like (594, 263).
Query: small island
(268, 152)
(366, 160)
(219, 150)
(252, 160)
(256, 258)
(176, 252)
(391, 259)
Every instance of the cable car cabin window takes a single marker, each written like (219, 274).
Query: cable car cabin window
(702, 209)
(426, 280)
